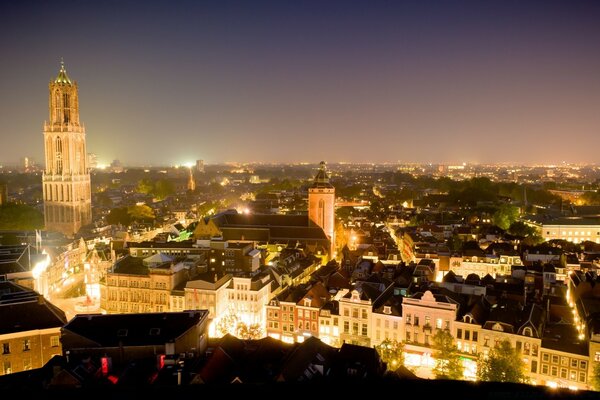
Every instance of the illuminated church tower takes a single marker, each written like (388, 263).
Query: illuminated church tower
(321, 198)
(66, 179)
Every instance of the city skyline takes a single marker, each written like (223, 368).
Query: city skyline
(343, 81)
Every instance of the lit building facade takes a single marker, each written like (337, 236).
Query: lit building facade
(66, 179)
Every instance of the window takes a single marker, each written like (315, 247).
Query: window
(447, 325)
(416, 320)
(486, 341)
(355, 328)
(26, 345)
(545, 369)
(364, 329)
(534, 351)
(26, 363)
(54, 341)
(426, 340)
(467, 335)
(554, 359)
(545, 357)
(519, 345)
(554, 370)
(582, 377)
(474, 349)
(534, 366)
(583, 364)
(346, 327)
(408, 319)
(459, 333)
(526, 348)
(427, 320)
(416, 337)
(346, 312)
(563, 373)
(387, 324)
(154, 331)
(438, 323)
(5, 348)
(597, 356)
(7, 367)
(474, 336)
(395, 324)
(408, 336)
(364, 314)
(355, 313)
(573, 363)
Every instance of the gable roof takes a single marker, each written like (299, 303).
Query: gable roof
(112, 330)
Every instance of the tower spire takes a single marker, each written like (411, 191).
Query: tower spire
(62, 74)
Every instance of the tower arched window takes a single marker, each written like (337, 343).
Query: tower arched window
(57, 114)
(321, 214)
(58, 145)
(66, 108)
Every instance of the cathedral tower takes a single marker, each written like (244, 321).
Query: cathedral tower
(321, 198)
(66, 179)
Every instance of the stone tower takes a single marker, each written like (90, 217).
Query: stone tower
(321, 199)
(66, 179)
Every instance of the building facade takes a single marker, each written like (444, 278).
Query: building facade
(66, 179)
(29, 329)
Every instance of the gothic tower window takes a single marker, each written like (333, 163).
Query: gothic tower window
(66, 109)
(58, 154)
(321, 213)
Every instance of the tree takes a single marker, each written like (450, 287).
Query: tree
(391, 353)
(145, 186)
(503, 364)
(119, 216)
(448, 364)
(248, 332)
(596, 376)
(227, 324)
(20, 217)
(163, 188)
(141, 213)
(505, 216)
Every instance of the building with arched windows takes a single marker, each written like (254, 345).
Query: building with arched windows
(66, 179)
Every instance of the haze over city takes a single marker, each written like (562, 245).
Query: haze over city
(443, 82)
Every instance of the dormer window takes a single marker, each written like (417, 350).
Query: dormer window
(527, 332)
(307, 302)
(355, 296)
(154, 331)
(387, 310)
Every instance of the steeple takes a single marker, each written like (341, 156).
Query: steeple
(322, 179)
(62, 77)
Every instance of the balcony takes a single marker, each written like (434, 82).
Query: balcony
(427, 327)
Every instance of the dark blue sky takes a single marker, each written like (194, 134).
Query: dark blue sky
(165, 82)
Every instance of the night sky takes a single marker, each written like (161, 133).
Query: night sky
(167, 82)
